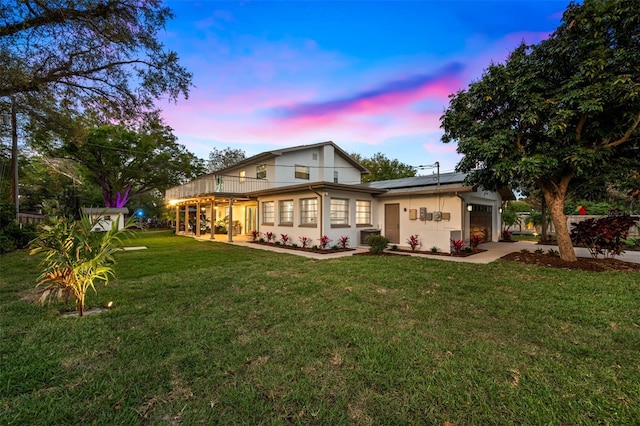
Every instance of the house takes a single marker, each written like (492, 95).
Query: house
(106, 217)
(316, 190)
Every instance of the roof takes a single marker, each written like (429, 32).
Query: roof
(315, 186)
(420, 181)
(276, 153)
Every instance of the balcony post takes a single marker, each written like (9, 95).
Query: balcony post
(230, 225)
(212, 220)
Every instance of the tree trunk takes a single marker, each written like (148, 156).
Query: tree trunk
(555, 202)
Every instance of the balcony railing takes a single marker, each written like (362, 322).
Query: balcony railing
(216, 185)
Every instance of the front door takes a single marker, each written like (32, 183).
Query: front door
(392, 223)
(250, 219)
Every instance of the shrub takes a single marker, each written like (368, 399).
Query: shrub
(525, 251)
(394, 247)
(344, 242)
(457, 246)
(413, 241)
(604, 235)
(377, 243)
(506, 235)
(284, 238)
(538, 251)
(476, 240)
(324, 242)
(553, 253)
(304, 241)
(75, 258)
(270, 236)
(255, 234)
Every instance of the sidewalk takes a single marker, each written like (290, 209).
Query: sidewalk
(494, 251)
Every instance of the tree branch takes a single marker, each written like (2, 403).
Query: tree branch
(580, 126)
(626, 135)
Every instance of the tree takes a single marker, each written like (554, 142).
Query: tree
(567, 108)
(383, 168)
(127, 162)
(102, 55)
(222, 158)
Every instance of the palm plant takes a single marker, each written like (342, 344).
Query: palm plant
(75, 258)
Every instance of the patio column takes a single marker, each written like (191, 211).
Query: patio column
(177, 225)
(212, 220)
(230, 226)
(197, 233)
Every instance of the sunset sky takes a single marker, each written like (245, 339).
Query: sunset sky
(372, 76)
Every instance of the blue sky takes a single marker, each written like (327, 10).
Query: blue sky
(372, 76)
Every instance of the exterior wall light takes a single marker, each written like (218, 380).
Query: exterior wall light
(470, 207)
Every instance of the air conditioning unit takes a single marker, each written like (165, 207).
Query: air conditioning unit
(437, 215)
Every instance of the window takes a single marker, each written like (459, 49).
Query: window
(261, 171)
(339, 211)
(335, 176)
(268, 214)
(302, 172)
(242, 176)
(219, 184)
(286, 212)
(363, 212)
(309, 211)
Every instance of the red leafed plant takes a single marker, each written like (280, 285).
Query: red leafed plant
(324, 242)
(270, 236)
(604, 235)
(343, 242)
(284, 238)
(255, 234)
(457, 245)
(475, 241)
(413, 241)
(304, 241)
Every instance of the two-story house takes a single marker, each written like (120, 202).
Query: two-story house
(315, 190)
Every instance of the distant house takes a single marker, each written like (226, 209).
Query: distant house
(106, 217)
(316, 190)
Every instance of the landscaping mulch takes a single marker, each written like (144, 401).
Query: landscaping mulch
(309, 249)
(583, 263)
(404, 252)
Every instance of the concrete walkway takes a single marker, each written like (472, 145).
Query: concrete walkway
(493, 252)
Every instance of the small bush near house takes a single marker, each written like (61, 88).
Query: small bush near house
(475, 241)
(344, 242)
(270, 236)
(538, 251)
(413, 241)
(604, 235)
(377, 243)
(554, 253)
(255, 235)
(324, 242)
(304, 241)
(457, 246)
(435, 249)
(506, 235)
(284, 238)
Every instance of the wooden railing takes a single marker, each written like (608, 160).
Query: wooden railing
(215, 184)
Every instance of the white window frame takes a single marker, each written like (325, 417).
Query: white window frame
(363, 212)
(339, 211)
(302, 172)
(268, 212)
(285, 212)
(308, 211)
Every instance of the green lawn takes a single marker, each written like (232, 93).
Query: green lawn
(205, 333)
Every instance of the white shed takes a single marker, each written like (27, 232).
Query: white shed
(106, 217)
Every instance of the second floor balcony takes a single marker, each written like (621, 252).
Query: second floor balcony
(216, 185)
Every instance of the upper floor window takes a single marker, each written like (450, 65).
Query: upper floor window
(335, 176)
(242, 176)
(302, 172)
(261, 171)
(363, 212)
(268, 213)
(286, 212)
(339, 210)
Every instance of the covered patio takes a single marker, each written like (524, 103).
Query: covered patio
(216, 206)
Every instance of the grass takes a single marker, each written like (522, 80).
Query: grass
(204, 332)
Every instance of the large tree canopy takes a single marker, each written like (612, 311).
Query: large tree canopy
(130, 162)
(383, 168)
(223, 158)
(102, 55)
(557, 112)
